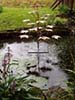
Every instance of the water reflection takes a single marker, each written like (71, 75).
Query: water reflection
(56, 77)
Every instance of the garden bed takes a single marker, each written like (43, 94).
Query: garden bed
(56, 30)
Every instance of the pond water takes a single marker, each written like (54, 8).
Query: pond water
(48, 58)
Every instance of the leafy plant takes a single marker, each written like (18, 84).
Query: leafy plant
(12, 87)
(71, 84)
(39, 24)
(38, 20)
(17, 89)
(68, 64)
(63, 9)
(1, 9)
(60, 21)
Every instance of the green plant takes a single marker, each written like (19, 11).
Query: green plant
(38, 20)
(60, 21)
(11, 19)
(1, 9)
(63, 9)
(17, 89)
(68, 64)
(40, 23)
(12, 87)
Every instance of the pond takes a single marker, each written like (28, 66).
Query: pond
(26, 54)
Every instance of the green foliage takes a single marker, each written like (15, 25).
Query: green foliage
(60, 21)
(67, 47)
(40, 22)
(63, 9)
(67, 56)
(71, 84)
(1, 9)
(17, 89)
(13, 88)
(11, 18)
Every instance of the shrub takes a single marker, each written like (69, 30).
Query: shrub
(13, 87)
(60, 21)
(63, 9)
(1, 9)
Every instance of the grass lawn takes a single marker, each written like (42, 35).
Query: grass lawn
(12, 18)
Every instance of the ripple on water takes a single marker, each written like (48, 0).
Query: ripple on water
(56, 76)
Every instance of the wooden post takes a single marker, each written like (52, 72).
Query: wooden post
(66, 2)
(62, 2)
(69, 3)
(72, 4)
(56, 3)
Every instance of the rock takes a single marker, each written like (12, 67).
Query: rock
(56, 37)
(44, 38)
(24, 31)
(24, 36)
